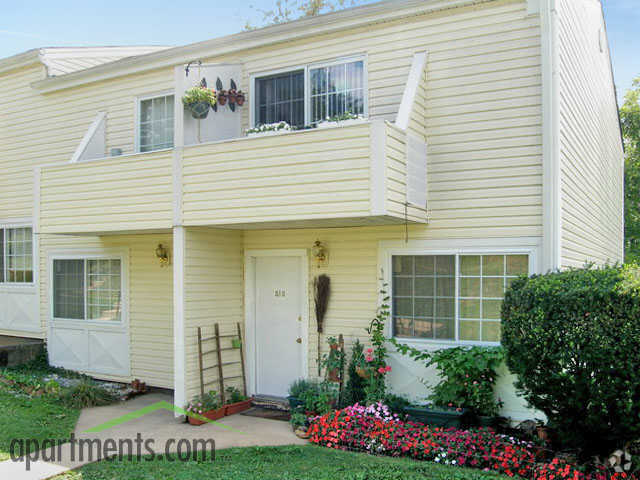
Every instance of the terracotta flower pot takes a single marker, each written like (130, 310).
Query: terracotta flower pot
(237, 407)
(333, 346)
(240, 99)
(222, 97)
(334, 375)
(362, 373)
(216, 414)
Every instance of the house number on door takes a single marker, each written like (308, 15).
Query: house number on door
(279, 292)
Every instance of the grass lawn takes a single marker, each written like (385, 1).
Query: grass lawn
(282, 463)
(38, 417)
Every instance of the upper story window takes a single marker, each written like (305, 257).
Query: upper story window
(313, 93)
(452, 297)
(281, 98)
(156, 119)
(337, 89)
(16, 255)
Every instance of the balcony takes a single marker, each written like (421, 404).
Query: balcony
(331, 177)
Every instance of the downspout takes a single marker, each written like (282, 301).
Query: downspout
(551, 181)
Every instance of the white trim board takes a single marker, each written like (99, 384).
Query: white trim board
(250, 306)
(416, 72)
(96, 133)
(179, 352)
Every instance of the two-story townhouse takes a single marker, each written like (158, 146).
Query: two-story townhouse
(488, 147)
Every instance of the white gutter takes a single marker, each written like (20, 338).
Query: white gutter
(287, 32)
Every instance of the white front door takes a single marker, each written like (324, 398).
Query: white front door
(279, 344)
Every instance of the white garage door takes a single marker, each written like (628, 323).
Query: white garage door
(88, 330)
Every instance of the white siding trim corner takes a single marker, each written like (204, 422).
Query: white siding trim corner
(378, 175)
(95, 137)
(179, 355)
(411, 89)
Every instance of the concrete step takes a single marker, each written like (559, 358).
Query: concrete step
(18, 350)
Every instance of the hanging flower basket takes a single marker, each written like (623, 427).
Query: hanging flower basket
(199, 110)
(362, 373)
(199, 100)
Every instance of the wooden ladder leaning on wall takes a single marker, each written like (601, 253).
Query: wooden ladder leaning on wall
(217, 350)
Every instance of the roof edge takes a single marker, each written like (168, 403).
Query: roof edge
(297, 29)
(20, 60)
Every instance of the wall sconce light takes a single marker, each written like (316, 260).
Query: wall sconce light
(320, 254)
(162, 255)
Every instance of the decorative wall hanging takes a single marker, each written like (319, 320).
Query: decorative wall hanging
(233, 96)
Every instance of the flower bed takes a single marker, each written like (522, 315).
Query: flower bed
(558, 470)
(376, 430)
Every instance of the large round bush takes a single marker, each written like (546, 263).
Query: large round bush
(573, 340)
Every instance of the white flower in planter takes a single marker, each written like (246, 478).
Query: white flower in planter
(269, 129)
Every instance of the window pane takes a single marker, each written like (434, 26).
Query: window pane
(469, 309)
(469, 330)
(470, 265)
(103, 290)
(493, 287)
(420, 295)
(491, 331)
(402, 327)
(156, 123)
(18, 261)
(517, 264)
(492, 265)
(281, 98)
(469, 287)
(337, 89)
(68, 289)
(491, 309)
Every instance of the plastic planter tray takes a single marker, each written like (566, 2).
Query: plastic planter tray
(435, 416)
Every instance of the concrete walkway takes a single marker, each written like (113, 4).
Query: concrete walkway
(161, 431)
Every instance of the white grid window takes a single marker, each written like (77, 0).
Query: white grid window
(16, 255)
(337, 89)
(156, 123)
(87, 289)
(426, 304)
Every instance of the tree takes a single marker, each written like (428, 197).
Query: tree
(287, 10)
(630, 118)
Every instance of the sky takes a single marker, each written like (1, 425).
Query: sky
(41, 23)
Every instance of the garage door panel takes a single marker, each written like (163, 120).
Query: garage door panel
(109, 352)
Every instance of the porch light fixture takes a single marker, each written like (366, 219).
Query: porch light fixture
(319, 253)
(162, 255)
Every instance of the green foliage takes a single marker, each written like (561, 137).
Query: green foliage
(396, 403)
(33, 417)
(298, 419)
(287, 10)
(199, 94)
(334, 360)
(87, 394)
(630, 120)
(298, 387)
(573, 339)
(204, 403)
(278, 463)
(354, 387)
(320, 398)
(233, 395)
(375, 360)
(467, 376)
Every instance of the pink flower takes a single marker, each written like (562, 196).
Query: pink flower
(388, 368)
(381, 370)
(369, 350)
(369, 358)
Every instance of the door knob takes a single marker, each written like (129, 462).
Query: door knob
(299, 340)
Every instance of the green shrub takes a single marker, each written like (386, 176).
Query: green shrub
(354, 387)
(87, 394)
(573, 340)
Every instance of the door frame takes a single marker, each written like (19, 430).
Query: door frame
(250, 308)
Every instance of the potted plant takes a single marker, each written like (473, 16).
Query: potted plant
(199, 100)
(296, 392)
(466, 386)
(264, 129)
(343, 120)
(333, 362)
(437, 416)
(236, 401)
(207, 406)
(312, 397)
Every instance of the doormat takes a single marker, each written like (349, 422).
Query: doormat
(269, 413)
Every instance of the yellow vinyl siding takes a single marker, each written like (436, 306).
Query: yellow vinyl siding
(115, 194)
(591, 156)
(150, 298)
(213, 285)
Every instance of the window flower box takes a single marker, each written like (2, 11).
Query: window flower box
(343, 120)
(267, 129)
